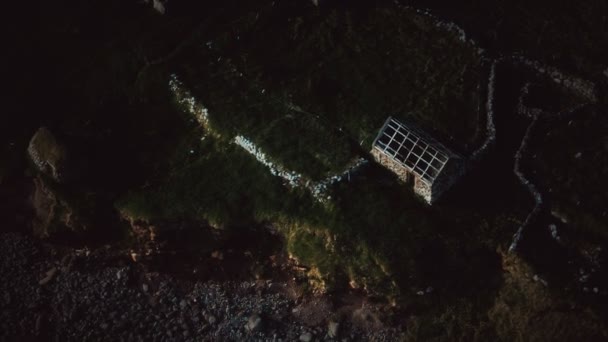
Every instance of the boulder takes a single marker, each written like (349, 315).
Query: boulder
(47, 154)
(306, 337)
(159, 6)
(217, 255)
(254, 323)
(332, 329)
(50, 274)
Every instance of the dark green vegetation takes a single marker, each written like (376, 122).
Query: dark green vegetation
(99, 79)
(266, 76)
(563, 33)
(313, 85)
(572, 169)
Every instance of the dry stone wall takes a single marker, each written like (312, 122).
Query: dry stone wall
(391, 164)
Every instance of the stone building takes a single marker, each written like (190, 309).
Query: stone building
(417, 159)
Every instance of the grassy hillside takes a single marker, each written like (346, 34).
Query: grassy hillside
(310, 87)
(313, 87)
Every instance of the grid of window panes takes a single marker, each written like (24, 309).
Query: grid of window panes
(410, 149)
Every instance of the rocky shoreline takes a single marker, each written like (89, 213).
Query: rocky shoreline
(66, 294)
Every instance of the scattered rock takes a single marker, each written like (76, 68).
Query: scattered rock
(183, 304)
(560, 216)
(553, 230)
(135, 257)
(333, 329)
(159, 6)
(306, 337)
(254, 323)
(118, 308)
(38, 323)
(49, 276)
(217, 255)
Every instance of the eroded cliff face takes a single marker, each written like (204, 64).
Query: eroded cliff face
(52, 214)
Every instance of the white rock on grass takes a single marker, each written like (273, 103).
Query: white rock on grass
(306, 337)
(333, 329)
(253, 323)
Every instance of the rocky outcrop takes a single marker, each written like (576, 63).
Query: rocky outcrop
(48, 155)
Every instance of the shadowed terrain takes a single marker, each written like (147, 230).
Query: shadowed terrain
(116, 188)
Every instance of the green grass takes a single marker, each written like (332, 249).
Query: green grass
(356, 68)
(297, 140)
(297, 63)
(312, 87)
(374, 232)
(304, 77)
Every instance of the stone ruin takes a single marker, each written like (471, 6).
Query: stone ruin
(417, 159)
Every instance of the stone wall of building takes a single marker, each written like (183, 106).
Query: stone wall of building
(423, 190)
(391, 164)
(453, 170)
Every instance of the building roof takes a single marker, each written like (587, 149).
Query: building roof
(412, 148)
